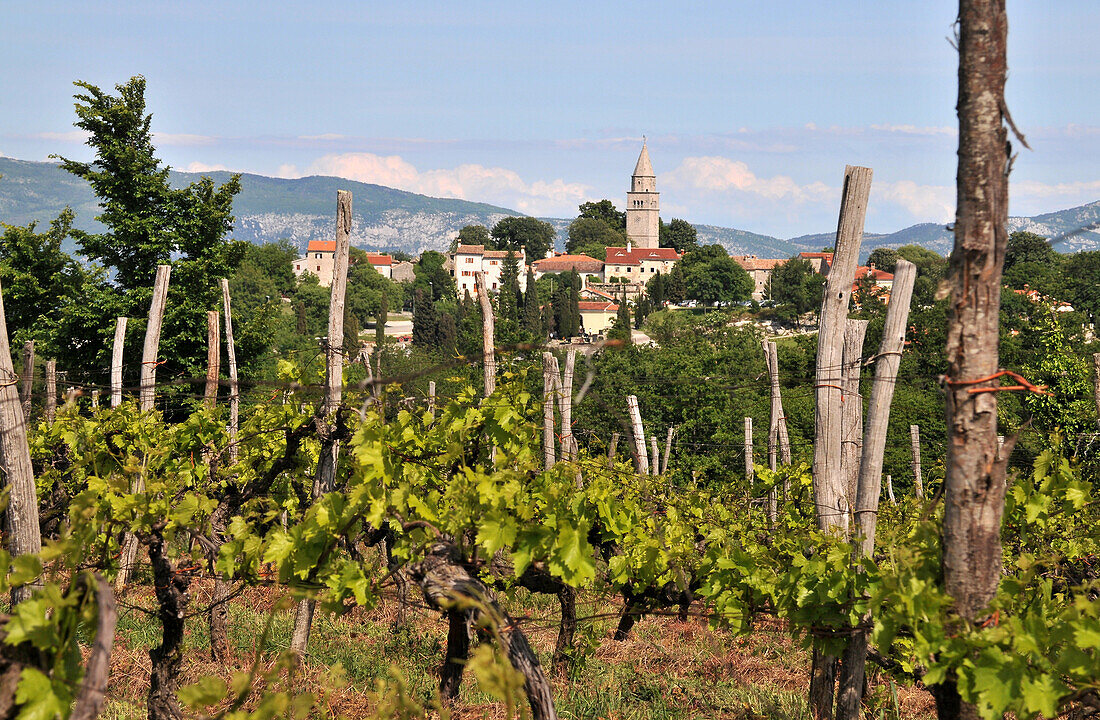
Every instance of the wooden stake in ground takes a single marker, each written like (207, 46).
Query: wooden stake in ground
(24, 535)
(974, 486)
(642, 462)
(851, 446)
(869, 486)
(565, 398)
(51, 391)
(914, 439)
(668, 450)
(213, 357)
(829, 482)
(749, 463)
(116, 362)
(487, 330)
(654, 455)
(325, 479)
(152, 338)
(611, 450)
(1096, 385)
(431, 398)
(27, 379)
(549, 388)
(234, 386)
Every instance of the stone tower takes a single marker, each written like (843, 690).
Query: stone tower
(642, 205)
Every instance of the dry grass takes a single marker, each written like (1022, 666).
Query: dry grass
(667, 668)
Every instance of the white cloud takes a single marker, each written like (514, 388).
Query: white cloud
(715, 174)
(182, 139)
(1036, 189)
(927, 203)
(288, 171)
(495, 185)
(322, 136)
(917, 130)
(201, 167)
(73, 136)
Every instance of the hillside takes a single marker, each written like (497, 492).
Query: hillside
(384, 218)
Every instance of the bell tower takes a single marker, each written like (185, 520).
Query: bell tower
(643, 208)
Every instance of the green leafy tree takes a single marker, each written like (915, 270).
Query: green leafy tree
(432, 277)
(605, 212)
(795, 286)
(1026, 247)
(425, 332)
(676, 286)
(884, 258)
(655, 290)
(1069, 406)
(592, 237)
(474, 235)
(620, 330)
(532, 313)
(711, 276)
(641, 311)
(679, 235)
(535, 236)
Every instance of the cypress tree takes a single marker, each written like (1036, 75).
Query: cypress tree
(532, 316)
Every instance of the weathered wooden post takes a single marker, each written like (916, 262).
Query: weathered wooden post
(639, 434)
(1096, 385)
(611, 449)
(152, 338)
(487, 330)
(851, 447)
(668, 450)
(749, 462)
(829, 482)
(549, 387)
(869, 486)
(890, 489)
(116, 362)
(95, 399)
(51, 391)
(565, 399)
(234, 385)
(24, 535)
(27, 379)
(654, 455)
(213, 357)
(918, 481)
(325, 479)
(431, 398)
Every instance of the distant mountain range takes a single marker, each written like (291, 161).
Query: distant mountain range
(303, 209)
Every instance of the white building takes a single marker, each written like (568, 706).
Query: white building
(467, 260)
(638, 265)
(320, 259)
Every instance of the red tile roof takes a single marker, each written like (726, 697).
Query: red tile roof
(558, 263)
(598, 293)
(321, 246)
(635, 256)
(379, 259)
(596, 306)
(751, 262)
(874, 273)
(469, 250)
(519, 254)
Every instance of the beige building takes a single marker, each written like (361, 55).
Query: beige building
(402, 272)
(643, 207)
(382, 263)
(760, 270)
(467, 260)
(638, 265)
(320, 260)
(597, 316)
(583, 264)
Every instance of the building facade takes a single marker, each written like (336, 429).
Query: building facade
(638, 265)
(468, 260)
(643, 207)
(320, 260)
(583, 264)
(760, 270)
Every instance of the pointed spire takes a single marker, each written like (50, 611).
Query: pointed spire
(643, 168)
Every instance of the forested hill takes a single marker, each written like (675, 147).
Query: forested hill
(302, 210)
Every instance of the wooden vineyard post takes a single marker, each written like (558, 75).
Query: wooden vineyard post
(27, 379)
(24, 535)
(325, 479)
(565, 399)
(654, 455)
(612, 446)
(213, 357)
(890, 489)
(116, 362)
(234, 386)
(549, 387)
(918, 481)
(851, 447)
(829, 483)
(152, 338)
(431, 399)
(749, 464)
(639, 434)
(1096, 385)
(668, 450)
(487, 330)
(869, 486)
(51, 391)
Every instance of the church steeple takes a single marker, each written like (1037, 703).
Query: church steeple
(642, 204)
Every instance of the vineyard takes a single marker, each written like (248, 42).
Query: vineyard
(393, 535)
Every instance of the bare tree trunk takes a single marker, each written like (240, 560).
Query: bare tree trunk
(829, 481)
(51, 391)
(549, 387)
(974, 486)
(639, 434)
(458, 652)
(213, 357)
(668, 450)
(851, 447)
(234, 386)
(28, 379)
(24, 534)
(116, 362)
(918, 482)
(487, 333)
(93, 687)
(869, 489)
(325, 479)
(152, 337)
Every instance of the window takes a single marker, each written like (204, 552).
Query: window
(318, 268)
(494, 286)
(317, 256)
(298, 267)
(469, 261)
(492, 262)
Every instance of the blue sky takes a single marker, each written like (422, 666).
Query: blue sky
(752, 109)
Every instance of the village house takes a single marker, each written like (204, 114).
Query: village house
(583, 264)
(402, 272)
(760, 270)
(597, 316)
(638, 265)
(320, 259)
(468, 260)
(821, 261)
